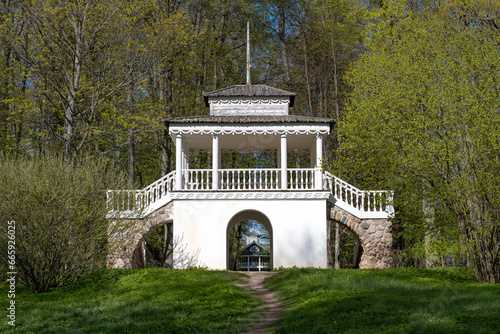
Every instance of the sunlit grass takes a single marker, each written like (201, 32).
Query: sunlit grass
(139, 301)
(402, 300)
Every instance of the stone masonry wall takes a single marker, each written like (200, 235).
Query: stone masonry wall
(124, 236)
(375, 236)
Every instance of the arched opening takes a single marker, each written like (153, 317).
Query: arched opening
(344, 246)
(246, 250)
(155, 249)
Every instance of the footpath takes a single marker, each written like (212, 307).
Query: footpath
(256, 285)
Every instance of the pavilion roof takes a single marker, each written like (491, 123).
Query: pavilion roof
(251, 119)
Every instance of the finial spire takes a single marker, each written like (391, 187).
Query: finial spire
(248, 54)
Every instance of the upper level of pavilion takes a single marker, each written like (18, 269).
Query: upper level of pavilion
(251, 118)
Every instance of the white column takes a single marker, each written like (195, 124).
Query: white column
(284, 172)
(319, 156)
(215, 161)
(178, 162)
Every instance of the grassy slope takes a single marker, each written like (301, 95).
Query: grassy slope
(403, 300)
(138, 301)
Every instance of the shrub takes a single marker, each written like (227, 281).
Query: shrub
(59, 210)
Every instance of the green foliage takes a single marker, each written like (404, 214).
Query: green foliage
(60, 215)
(139, 301)
(424, 122)
(402, 300)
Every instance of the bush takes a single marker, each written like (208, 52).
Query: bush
(59, 210)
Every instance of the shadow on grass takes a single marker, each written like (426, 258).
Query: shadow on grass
(139, 301)
(385, 301)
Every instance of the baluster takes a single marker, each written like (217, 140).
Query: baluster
(362, 208)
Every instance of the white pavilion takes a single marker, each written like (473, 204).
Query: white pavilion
(294, 204)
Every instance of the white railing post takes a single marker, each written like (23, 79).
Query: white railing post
(318, 183)
(284, 176)
(215, 161)
(178, 162)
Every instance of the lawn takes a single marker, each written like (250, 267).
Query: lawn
(402, 300)
(138, 301)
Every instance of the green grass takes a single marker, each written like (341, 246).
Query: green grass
(138, 301)
(402, 300)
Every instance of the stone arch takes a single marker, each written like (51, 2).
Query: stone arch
(254, 215)
(124, 236)
(330, 233)
(375, 236)
(137, 255)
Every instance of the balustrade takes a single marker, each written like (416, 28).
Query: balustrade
(364, 202)
(301, 179)
(197, 179)
(249, 179)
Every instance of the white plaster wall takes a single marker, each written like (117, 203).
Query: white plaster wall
(299, 229)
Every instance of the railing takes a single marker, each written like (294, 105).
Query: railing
(136, 203)
(197, 179)
(249, 179)
(367, 203)
(301, 178)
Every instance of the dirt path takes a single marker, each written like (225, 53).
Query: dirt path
(256, 286)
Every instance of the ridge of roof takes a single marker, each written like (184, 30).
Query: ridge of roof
(249, 90)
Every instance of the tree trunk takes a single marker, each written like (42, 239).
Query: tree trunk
(130, 142)
(74, 84)
(280, 15)
(167, 256)
(337, 246)
(307, 77)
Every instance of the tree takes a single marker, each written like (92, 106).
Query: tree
(59, 211)
(424, 121)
